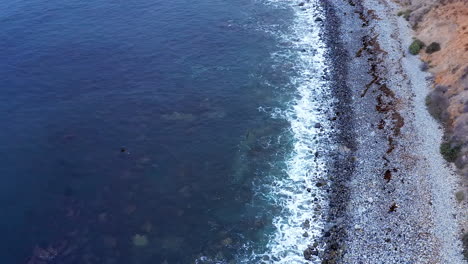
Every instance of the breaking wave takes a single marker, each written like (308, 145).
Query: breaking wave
(299, 194)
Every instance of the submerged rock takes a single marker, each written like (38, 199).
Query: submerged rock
(226, 241)
(147, 227)
(176, 116)
(173, 243)
(140, 240)
(109, 241)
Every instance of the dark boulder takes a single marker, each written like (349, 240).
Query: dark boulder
(309, 252)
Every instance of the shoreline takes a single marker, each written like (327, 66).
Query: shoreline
(396, 195)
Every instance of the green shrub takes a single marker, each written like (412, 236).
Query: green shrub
(416, 46)
(465, 245)
(428, 100)
(437, 104)
(460, 196)
(406, 14)
(449, 153)
(433, 47)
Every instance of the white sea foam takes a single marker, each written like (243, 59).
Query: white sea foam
(297, 193)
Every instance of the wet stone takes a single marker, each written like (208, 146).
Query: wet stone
(308, 253)
(320, 183)
(334, 246)
(227, 241)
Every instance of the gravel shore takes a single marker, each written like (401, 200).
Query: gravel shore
(400, 192)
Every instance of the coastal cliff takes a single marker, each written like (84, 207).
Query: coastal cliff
(442, 28)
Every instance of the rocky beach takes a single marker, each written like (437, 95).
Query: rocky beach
(396, 199)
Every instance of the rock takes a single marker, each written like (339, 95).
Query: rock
(140, 240)
(172, 243)
(424, 66)
(176, 116)
(393, 207)
(318, 19)
(305, 234)
(318, 125)
(102, 217)
(321, 183)
(185, 191)
(430, 78)
(308, 253)
(334, 246)
(344, 149)
(129, 209)
(226, 241)
(147, 227)
(301, 4)
(306, 224)
(109, 241)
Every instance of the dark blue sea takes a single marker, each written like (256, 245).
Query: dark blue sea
(149, 131)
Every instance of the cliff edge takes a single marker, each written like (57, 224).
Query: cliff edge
(441, 40)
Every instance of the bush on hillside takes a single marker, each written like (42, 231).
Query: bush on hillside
(460, 196)
(437, 103)
(433, 47)
(465, 245)
(416, 46)
(449, 153)
(406, 14)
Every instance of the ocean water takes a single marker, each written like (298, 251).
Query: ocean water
(150, 131)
